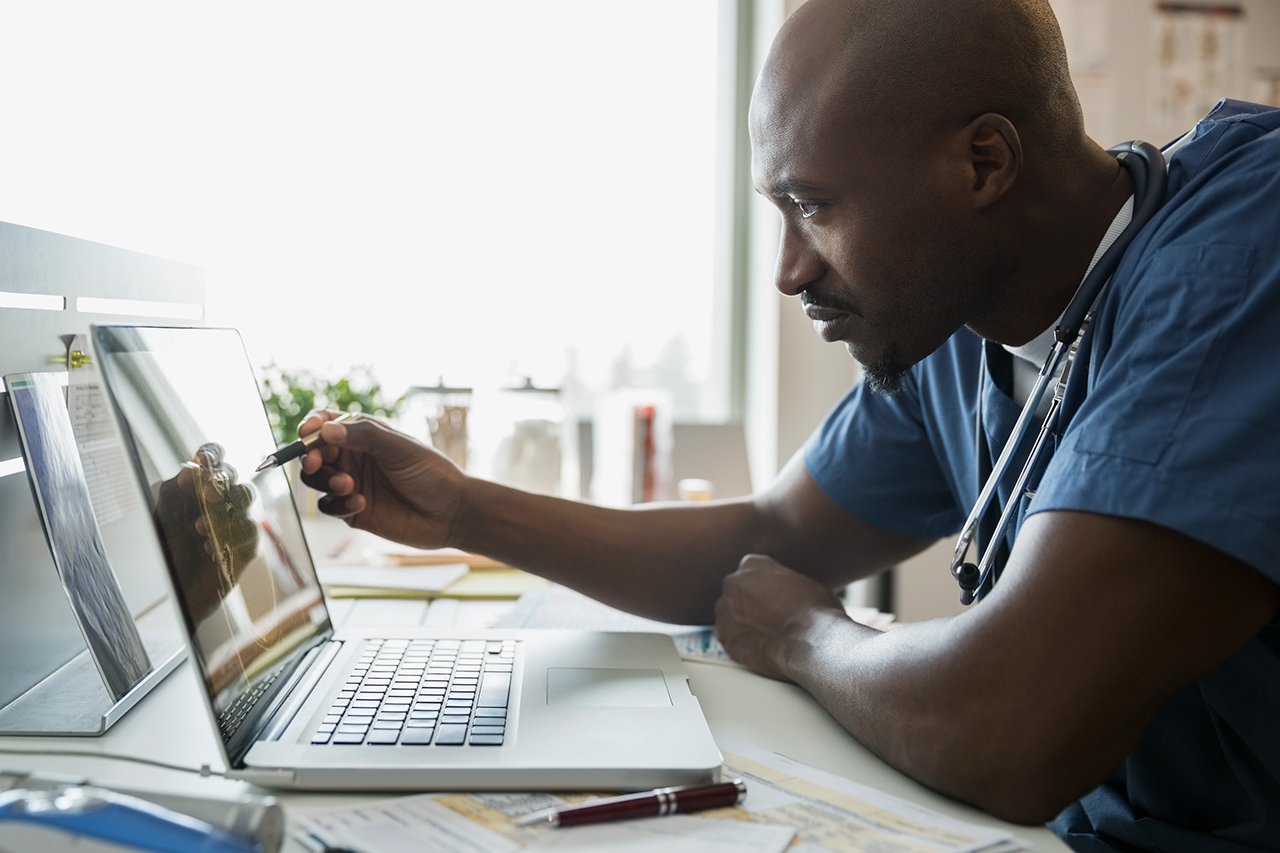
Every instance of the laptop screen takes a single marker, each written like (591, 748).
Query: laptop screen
(232, 539)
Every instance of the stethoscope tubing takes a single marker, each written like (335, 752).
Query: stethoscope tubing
(1146, 167)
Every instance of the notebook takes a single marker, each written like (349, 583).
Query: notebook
(300, 704)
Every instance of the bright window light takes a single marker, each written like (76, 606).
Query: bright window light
(138, 308)
(12, 466)
(473, 191)
(36, 301)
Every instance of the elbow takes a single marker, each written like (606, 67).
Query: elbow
(1028, 807)
(1029, 790)
(1016, 776)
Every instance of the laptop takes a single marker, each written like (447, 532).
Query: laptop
(300, 704)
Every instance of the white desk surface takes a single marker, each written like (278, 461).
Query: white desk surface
(172, 725)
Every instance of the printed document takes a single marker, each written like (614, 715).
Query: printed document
(789, 806)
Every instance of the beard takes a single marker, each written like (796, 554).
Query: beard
(887, 375)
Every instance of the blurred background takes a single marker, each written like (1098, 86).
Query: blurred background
(434, 201)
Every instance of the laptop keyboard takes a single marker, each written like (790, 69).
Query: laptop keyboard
(238, 711)
(423, 692)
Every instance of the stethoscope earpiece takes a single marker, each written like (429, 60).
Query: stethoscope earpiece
(967, 577)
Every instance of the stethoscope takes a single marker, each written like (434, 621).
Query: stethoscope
(1146, 167)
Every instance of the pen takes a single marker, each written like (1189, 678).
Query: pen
(663, 801)
(294, 449)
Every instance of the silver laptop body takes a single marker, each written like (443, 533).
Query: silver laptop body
(300, 705)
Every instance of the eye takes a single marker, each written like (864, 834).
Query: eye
(807, 208)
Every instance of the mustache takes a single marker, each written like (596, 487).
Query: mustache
(810, 299)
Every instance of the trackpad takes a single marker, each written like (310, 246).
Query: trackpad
(607, 688)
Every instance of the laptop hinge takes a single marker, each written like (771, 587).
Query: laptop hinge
(243, 740)
(303, 682)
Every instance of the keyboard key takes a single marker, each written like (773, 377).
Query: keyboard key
(348, 738)
(351, 728)
(451, 735)
(455, 718)
(487, 730)
(486, 740)
(421, 724)
(327, 727)
(387, 724)
(494, 690)
(321, 737)
(499, 713)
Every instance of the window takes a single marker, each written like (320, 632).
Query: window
(473, 191)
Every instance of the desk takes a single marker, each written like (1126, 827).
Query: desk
(171, 725)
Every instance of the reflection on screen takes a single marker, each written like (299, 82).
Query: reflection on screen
(231, 538)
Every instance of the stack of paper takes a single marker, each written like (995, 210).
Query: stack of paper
(786, 801)
(361, 548)
(420, 579)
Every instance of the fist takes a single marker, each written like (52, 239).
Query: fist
(763, 610)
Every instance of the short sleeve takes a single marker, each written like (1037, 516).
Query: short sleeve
(1181, 425)
(875, 457)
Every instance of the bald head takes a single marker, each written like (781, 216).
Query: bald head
(908, 66)
(931, 167)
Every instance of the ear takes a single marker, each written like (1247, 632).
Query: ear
(993, 155)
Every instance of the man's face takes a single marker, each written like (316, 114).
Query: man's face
(870, 242)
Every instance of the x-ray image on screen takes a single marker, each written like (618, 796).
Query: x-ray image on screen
(62, 498)
(198, 430)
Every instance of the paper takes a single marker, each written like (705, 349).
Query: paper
(825, 813)
(490, 584)
(485, 823)
(835, 815)
(361, 548)
(417, 578)
(1198, 56)
(106, 470)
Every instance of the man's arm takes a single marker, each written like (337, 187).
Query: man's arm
(1033, 696)
(666, 561)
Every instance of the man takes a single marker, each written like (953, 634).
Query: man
(937, 189)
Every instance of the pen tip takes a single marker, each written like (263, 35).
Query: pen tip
(267, 463)
(542, 816)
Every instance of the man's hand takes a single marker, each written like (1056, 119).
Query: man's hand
(763, 611)
(383, 481)
(210, 535)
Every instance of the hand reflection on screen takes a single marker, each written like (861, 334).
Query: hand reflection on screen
(209, 535)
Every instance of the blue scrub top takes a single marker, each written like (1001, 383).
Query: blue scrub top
(1174, 418)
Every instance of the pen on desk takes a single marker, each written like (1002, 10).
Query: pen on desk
(294, 449)
(663, 801)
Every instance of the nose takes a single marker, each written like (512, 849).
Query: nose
(799, 264)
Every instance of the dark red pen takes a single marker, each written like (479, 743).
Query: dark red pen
(662, 801)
